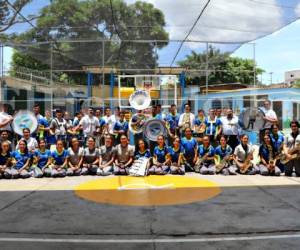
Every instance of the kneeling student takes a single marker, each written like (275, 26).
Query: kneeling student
(21, 159)
(223, 158)
(41, 160)
(59, 162)
(75, 158)
(5, 160)
(175, 155)
(107, 157)
(160, 160)
(267, 154)
(123, 156)
(205, 161)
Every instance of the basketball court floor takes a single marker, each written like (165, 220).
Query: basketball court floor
(155, 212)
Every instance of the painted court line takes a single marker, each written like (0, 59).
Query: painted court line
(165, 240)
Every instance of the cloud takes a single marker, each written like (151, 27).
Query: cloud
(223, 20)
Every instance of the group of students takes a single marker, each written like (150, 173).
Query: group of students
(99, 145)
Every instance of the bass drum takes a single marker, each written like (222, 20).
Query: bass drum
(24, 119)
(154, 128)
(252, 119)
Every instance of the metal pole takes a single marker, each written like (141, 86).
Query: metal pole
(254, 65)
(1, 69)
(51, 77)
(206, 70)
(103, 76)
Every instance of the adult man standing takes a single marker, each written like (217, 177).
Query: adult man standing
(186, 119)
(230, 126)
(5, 119)
(43, 125)
(270, 115)
(89, 124)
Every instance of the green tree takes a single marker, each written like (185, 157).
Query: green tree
(9, 13)
(223, 68)
(111, 20)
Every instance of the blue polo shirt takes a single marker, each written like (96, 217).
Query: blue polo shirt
(59, 158)
(277, 140)
(21, 158)
(121, 126)
(4, 158)
(173, 121)
(174, 154)
(264, 152)
(43, 157)
(160, 153)
(223, 152)
(189, 146)
(138, 154)
(202, 151)
(211, 126)
(199, 121)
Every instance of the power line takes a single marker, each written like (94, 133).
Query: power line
(190, 31)
(20, 14)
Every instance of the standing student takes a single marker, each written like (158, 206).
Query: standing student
(20, 162)
(89, 124)
(172, 120)
(107, 157)
(58, 127)
(268, 160)
(190, 147)
(75, 158)
(59, 162)
(120, 128)
(199, 126)
(5, 158)
(160, 160)
(175, 155)
(124, 154)
(41, 159)
(230, 127)
(243, 154)
(213, 127)
(205, 162)
(90, 158)
(277, 137)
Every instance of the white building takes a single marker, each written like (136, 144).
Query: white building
(292, 76)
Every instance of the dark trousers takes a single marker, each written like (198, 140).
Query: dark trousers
(233, 141)
(289, 167)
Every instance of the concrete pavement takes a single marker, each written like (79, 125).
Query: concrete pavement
(248, 206)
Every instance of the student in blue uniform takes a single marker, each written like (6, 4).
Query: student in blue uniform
(160, 160)
(21, 159)
(205, 162)
(225, 153)
(41, 159)
(175, 154)
(190, 147)
(268, 161)
(213, 126)
(59, 161)
(5, 157)
(120, 128)
(141, 150)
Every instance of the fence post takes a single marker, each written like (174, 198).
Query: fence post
(182, 85)
(111, 90)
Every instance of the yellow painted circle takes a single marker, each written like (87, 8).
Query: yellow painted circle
(147, 191)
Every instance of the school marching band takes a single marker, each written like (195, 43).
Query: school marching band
(99, 144)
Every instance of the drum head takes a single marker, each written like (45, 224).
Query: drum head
(136, 124)
(154, 128)
(252, 119)
(24, 119)
(140, 100)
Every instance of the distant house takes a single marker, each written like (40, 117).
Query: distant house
(285, 100)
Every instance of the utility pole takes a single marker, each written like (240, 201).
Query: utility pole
(271, 77)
